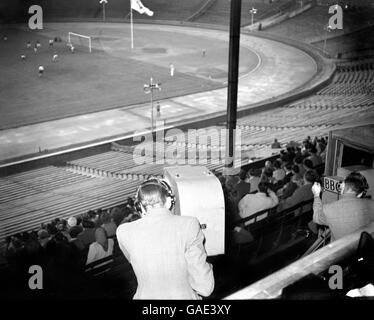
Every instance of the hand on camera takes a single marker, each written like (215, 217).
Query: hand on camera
(316, 189)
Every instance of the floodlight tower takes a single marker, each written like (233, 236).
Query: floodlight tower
(148, 88)
(103, 2)
(253, 11)
(328, 28)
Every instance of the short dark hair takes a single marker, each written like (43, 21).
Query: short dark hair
(268, 172)
(313, 149)
(295, 168)
(277, 164)
(105, 217)
(255, 172)
(310, 176)
(308, 163)
(298, 159)
(357, 182)
(242, 174)
(288, 166)
(88, 224)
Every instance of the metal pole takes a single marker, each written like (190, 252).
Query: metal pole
(104, 11)
(132, 28)
(151, 86)
(232, 90)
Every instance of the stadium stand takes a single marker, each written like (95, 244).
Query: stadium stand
(218, 11)
(36, 197)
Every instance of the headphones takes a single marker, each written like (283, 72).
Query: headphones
(157, 182)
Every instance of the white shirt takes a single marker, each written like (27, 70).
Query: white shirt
(97, 252)
(253, 203)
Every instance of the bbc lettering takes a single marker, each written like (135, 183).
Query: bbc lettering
(332, 184)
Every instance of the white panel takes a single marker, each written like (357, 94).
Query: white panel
(199, 194)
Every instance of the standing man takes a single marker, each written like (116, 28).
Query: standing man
(166, 251)
(158, 109)
(171, 70)
(41, 71)
(348, 214)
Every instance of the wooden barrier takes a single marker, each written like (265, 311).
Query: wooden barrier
(271, 286)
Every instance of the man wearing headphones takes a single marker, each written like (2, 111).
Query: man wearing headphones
(166, 251)
(348, 214)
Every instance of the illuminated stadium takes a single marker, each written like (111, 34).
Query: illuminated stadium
(108, 94)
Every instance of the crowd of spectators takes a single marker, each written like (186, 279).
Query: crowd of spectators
(281, 183)
(64, 247)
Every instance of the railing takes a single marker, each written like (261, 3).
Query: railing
(271, 230)
(271, 287)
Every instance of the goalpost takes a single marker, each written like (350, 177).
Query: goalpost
(80, 37)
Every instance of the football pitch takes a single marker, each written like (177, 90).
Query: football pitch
(113, 75)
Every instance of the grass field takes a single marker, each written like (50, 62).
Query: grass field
(112, 75)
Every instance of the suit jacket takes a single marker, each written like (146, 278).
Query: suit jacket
(344, 216)
(301, 194)
(87, 236)
(253, 203)
(168, 256)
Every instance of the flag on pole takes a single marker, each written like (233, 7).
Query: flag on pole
(139, 7)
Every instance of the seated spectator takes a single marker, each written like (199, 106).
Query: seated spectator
(288, 173)
(275, 144)
(74, 232)
(33, 251)
(278, 173)
(231, 182)
(296, 172)
(348, 214)
(321, 151)
(242, 187)
(267, 175)
(94, 217)
(117, 215)
(268, 164)
(299, 162)
(290, 187)
(302, 193)
(265, 198)
(314, 157)
(101, 248)
(72, 222)
(109, 226)
(63, 265)
(87, 236)
(254, 179)
(43, 237)
(308, 166)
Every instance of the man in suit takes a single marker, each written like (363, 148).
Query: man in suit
(301, 194)
(348, 214)
(166, 251)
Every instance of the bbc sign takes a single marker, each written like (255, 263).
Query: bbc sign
(332, 184)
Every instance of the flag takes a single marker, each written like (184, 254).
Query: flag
(139, 7)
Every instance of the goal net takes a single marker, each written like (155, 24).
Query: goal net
(76, 39)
